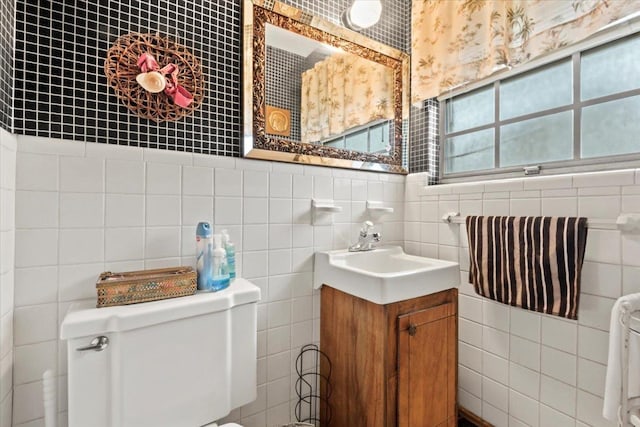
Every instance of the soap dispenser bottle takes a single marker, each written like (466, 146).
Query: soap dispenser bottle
(220, 274)
(230, 248)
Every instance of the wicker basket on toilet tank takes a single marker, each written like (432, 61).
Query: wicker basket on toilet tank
(146, 285)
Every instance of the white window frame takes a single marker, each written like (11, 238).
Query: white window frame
(627, 28)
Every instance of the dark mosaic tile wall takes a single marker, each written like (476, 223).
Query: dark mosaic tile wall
(424, 150)
(405, 142)
(61, 91)
(417, 147)
(282, 72)
(7, 22)
(60, 86)
(433, 140)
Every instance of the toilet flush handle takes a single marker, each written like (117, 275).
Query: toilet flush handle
(97, 344)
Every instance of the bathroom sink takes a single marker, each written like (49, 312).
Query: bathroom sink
(384, 275)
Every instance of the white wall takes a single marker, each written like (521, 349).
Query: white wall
(518, 367)
(85, 208)
(7, 230)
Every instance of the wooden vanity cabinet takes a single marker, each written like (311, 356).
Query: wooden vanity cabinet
(391, 365)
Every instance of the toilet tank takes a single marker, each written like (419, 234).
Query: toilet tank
(182, 362)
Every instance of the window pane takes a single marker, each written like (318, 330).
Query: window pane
(469, 152)
(611, 128)
(357, 141)
(470, 110)
(611, 69)
(549, 87)
(543, 139)
(338, 143)
(379, 138)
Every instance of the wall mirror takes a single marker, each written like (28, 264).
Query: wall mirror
(317, 93)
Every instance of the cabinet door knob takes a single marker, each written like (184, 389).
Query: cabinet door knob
(412, 329)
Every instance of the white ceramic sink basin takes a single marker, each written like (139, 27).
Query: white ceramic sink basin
(384, 275)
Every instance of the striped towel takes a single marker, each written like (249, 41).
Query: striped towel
(529, 262)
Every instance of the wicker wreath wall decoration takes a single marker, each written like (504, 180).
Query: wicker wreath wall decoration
(155, 77)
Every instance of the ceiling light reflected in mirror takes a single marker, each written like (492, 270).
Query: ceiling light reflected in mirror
(362, 14)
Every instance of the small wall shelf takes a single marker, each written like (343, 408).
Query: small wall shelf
(378, 207)
(325, 206)
(322, 211)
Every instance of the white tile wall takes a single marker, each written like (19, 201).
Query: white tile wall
(127, 209)
(551, 368)
(131, 209)
(7, 273)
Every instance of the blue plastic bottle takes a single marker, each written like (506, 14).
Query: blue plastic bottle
(204, 248)
(208, 268)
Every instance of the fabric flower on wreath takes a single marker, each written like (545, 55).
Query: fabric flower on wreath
(155, 80)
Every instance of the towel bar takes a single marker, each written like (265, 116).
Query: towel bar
(625, 222)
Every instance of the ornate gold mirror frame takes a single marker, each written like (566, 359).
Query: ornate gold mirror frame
(260, 145)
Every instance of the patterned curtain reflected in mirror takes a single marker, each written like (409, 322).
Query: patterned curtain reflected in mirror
(342, 92)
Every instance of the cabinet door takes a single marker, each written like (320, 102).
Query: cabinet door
(427, 365)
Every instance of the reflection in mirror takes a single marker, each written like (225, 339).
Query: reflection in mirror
(319, 94)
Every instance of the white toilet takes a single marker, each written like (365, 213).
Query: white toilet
(182, 362)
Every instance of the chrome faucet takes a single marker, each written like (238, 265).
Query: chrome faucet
(365, 239)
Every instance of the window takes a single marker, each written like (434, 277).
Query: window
(583, 108)
(372, 139)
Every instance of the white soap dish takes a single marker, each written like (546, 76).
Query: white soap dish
(322, 211)
(378, 207)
